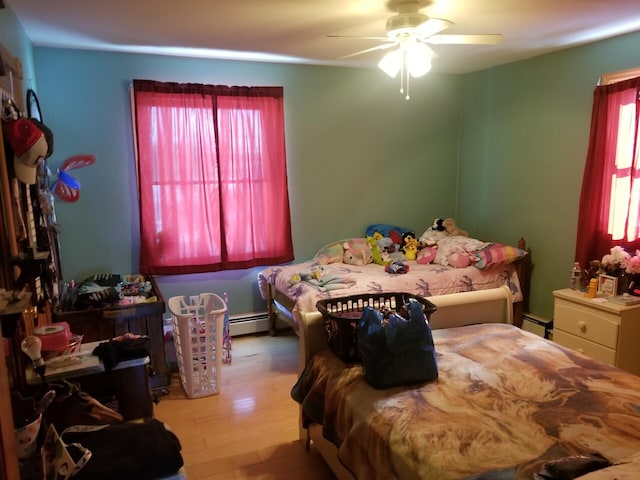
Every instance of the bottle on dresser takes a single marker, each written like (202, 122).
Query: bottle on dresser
(576, 276)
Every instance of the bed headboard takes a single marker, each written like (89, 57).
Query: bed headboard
(454, 310)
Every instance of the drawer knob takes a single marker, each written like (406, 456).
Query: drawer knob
(582, 326)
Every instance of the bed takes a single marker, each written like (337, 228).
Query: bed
(507, 404)
(288, 301)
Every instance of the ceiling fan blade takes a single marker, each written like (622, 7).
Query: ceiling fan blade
(382, 46)
(382, 39)
(488, 39)
(433, 26)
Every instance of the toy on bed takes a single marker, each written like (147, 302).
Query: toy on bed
(316, 277)
(410, 245)
(352, 251)
(426, 255)
(433, 233)
(451, 244)
(314, 273)
(357, 253)
(396, 267)
(390, 240)
(452, 229)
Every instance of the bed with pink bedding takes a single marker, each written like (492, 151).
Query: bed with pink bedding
(288, 301)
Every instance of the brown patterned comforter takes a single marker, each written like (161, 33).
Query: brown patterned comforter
(506, 402)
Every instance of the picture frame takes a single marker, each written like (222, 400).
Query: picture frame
(607, 285)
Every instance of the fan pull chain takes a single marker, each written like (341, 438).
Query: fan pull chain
(408, 79)
(404, 73)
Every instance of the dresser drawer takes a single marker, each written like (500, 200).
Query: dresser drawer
(591, 349)
(586, 322)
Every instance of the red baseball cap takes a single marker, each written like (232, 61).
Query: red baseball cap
(29, 147)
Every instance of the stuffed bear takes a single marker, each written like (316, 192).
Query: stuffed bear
(451, 228)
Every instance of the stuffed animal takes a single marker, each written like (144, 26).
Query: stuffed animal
(386, 245)
(409, 246)
(438, 225)
(357, 253)
(314, 273)
(380, 257)
(433, 233)
(451, 228)
(426, 255)
(396, 267)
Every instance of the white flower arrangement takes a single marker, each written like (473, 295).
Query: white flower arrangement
(616, 258)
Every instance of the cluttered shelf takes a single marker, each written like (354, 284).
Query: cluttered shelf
(106, 306)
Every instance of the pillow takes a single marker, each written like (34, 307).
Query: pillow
(334, 252)
(330, 253)
(496, 254)
(456, 244)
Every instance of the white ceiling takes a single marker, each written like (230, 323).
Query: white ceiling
(295, 31)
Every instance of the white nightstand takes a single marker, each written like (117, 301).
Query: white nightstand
(596, 327)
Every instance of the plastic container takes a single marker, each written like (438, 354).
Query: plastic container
(198, 323)
(576, 277)
(341, 316)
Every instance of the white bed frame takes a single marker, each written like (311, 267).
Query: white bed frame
(454, 310)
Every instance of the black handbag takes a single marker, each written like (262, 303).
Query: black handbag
(396, 349)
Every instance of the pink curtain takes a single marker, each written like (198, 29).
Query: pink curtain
(212, 177)
(602, 168)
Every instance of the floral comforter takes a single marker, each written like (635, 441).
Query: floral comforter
(505, 404)
(425, 280)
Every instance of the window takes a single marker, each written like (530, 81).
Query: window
(610, 197)
(212, 177)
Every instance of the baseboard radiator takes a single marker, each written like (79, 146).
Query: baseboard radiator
(248, 323)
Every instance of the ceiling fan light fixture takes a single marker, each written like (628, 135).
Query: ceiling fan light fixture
(418, 60)
(391, 63)
(412, 58)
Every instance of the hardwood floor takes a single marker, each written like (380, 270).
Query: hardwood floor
(250, 429)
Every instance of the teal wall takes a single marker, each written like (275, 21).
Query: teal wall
(501, 150)
(357, 153)
(15, 40)
(525, 132)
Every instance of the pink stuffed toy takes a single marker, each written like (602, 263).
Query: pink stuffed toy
(426, 255)
(357, 252)
(459, 260)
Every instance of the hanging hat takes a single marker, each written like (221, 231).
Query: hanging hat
(48, 135)
(29, 146)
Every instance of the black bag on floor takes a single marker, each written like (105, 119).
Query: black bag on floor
(127, 451)
(396, 350)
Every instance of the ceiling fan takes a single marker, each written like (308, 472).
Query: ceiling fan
(410, 31)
